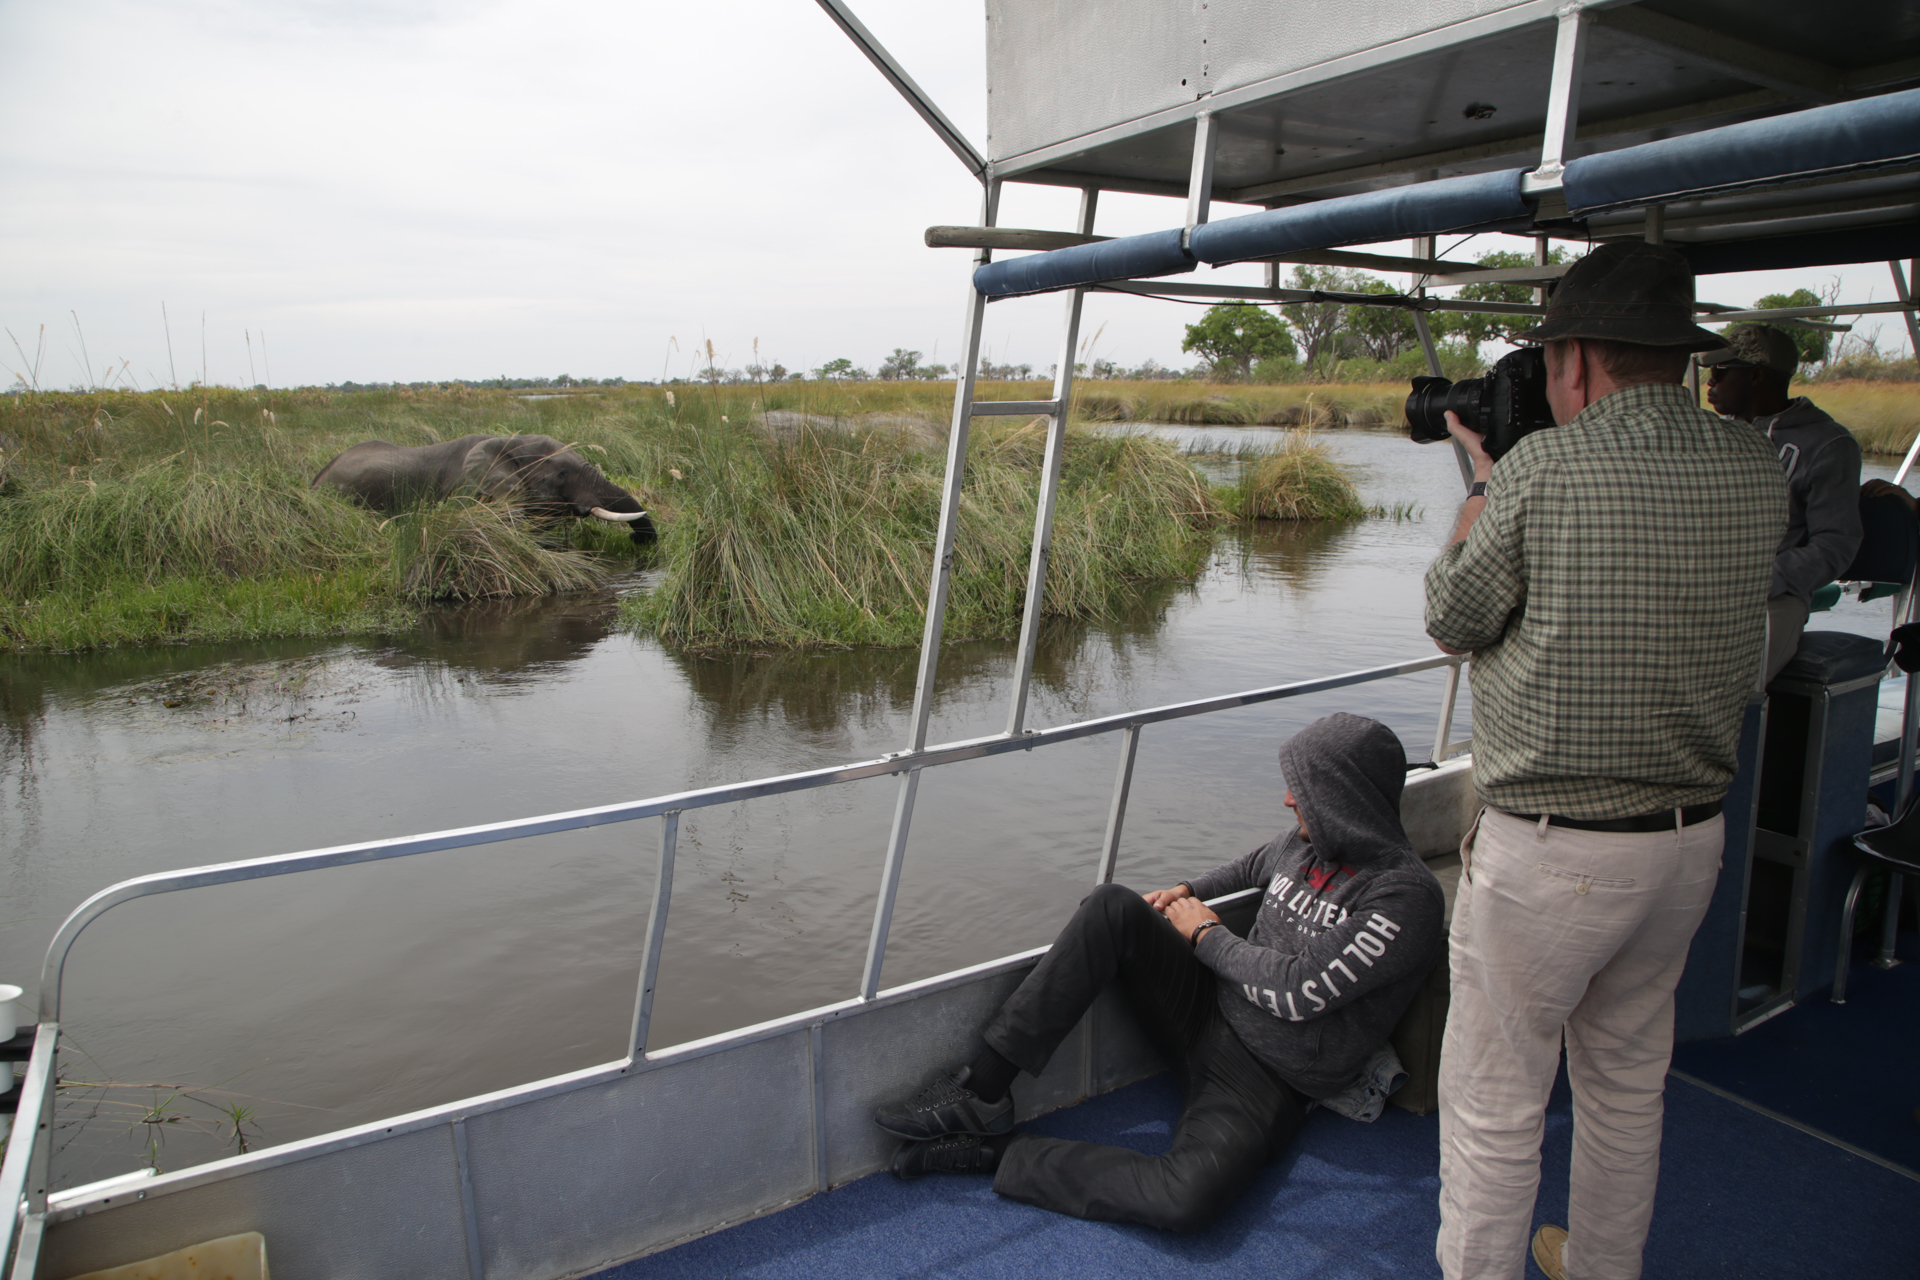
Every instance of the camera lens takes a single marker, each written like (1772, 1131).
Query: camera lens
(1432, 398)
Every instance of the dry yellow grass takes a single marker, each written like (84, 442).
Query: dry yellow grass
(1883, 416)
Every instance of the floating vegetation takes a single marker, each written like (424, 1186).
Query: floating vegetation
(791, 514)
(824, 536)
(1296, 480)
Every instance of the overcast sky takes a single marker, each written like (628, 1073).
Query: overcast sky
(411, 189)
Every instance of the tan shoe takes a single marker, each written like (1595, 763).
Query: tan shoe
(1549, 1248)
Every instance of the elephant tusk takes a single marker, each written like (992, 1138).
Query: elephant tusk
(605, 514)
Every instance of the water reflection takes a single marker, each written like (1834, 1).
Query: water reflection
(509, 642)
(1298, 553)
(824, 693)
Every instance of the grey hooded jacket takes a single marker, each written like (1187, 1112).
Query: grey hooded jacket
(1822, 462)
(1350, 923)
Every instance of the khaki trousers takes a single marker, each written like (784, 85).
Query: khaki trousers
(1581, 933)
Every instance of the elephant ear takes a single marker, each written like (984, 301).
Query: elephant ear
(491, 471)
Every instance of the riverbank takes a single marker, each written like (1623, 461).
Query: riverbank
(792, 514)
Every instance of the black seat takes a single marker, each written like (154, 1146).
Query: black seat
(1889, 553)
(1890, 539)
(1895, 849)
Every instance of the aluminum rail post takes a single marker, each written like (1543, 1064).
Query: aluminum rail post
(1904, 286)
(656, 936)
(1563, 101)
(1200, 180)
(1117, 811)
(1425, 247)
(1049, 492)
(1447, 700)
(23, 1175)
(889, 885)
(937, 591)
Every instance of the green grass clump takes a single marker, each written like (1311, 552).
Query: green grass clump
(129, 519)
(825, 536)
(791, 514)
(1297, 480)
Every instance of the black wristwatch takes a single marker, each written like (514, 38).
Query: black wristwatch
(1478, 489)
(1206, 925)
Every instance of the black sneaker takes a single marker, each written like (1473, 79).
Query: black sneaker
(943, 1107)
(952, 1153)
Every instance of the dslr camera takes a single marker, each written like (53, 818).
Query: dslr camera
(1510, 402)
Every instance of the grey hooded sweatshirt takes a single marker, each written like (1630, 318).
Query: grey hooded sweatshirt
(1350, 923)
(1822, 462)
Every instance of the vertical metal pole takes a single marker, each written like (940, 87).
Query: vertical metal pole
(1447, 700)
(476, 1269)
(817, 1057)
(1909, 726)
(1904, 286)
(1890, 924)
(1117, 811)
(1563, 96)
(950, 494)
(1049, 493)
(889, 886)
(656, 934)
(1426, 247)
(1200, 182)
(1656, 230)
(32, 1139)
(936, 607)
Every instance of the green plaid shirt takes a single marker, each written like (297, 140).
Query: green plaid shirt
(1614, 596)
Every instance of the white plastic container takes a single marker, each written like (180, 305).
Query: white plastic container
(9, 1011)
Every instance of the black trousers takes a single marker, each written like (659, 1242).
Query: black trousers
(1237, 1114)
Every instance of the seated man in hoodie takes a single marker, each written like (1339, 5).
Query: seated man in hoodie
(1255, 1030)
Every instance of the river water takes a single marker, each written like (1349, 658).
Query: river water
(338, 997)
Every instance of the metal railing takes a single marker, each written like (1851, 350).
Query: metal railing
(25, 1174)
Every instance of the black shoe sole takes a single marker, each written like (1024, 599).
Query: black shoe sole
(994, 1130)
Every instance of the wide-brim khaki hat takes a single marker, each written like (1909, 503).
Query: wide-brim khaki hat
(1627, 291)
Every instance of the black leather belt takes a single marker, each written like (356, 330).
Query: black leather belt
(1661, 821)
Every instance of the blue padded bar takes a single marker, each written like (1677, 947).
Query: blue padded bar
(1157, 253)
(1847, 135)
(1419, 209)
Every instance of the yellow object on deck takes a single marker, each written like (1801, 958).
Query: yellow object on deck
(241, 1257)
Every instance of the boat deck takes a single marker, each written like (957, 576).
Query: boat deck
(1747, 1187)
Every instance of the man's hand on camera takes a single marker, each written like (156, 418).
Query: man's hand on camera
(1188, 914)
(1161, 899)
(1474, 443)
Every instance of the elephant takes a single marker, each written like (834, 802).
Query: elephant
(538, 473)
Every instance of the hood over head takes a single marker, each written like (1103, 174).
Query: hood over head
(1346, 774)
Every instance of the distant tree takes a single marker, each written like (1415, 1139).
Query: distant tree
(901, 364)
(1319, 326)
(1004, 372)
(841, 368)
(1233, 335)
(1811, 342)
(1380, 333)
(1473, 327)
(929, 372)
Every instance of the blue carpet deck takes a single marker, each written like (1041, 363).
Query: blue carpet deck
(1851, 1070)
(1741, 1194)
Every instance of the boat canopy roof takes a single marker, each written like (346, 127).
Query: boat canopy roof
(1770, 133)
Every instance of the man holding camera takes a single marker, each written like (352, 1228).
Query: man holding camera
(1610, 578)
(1821, 459)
